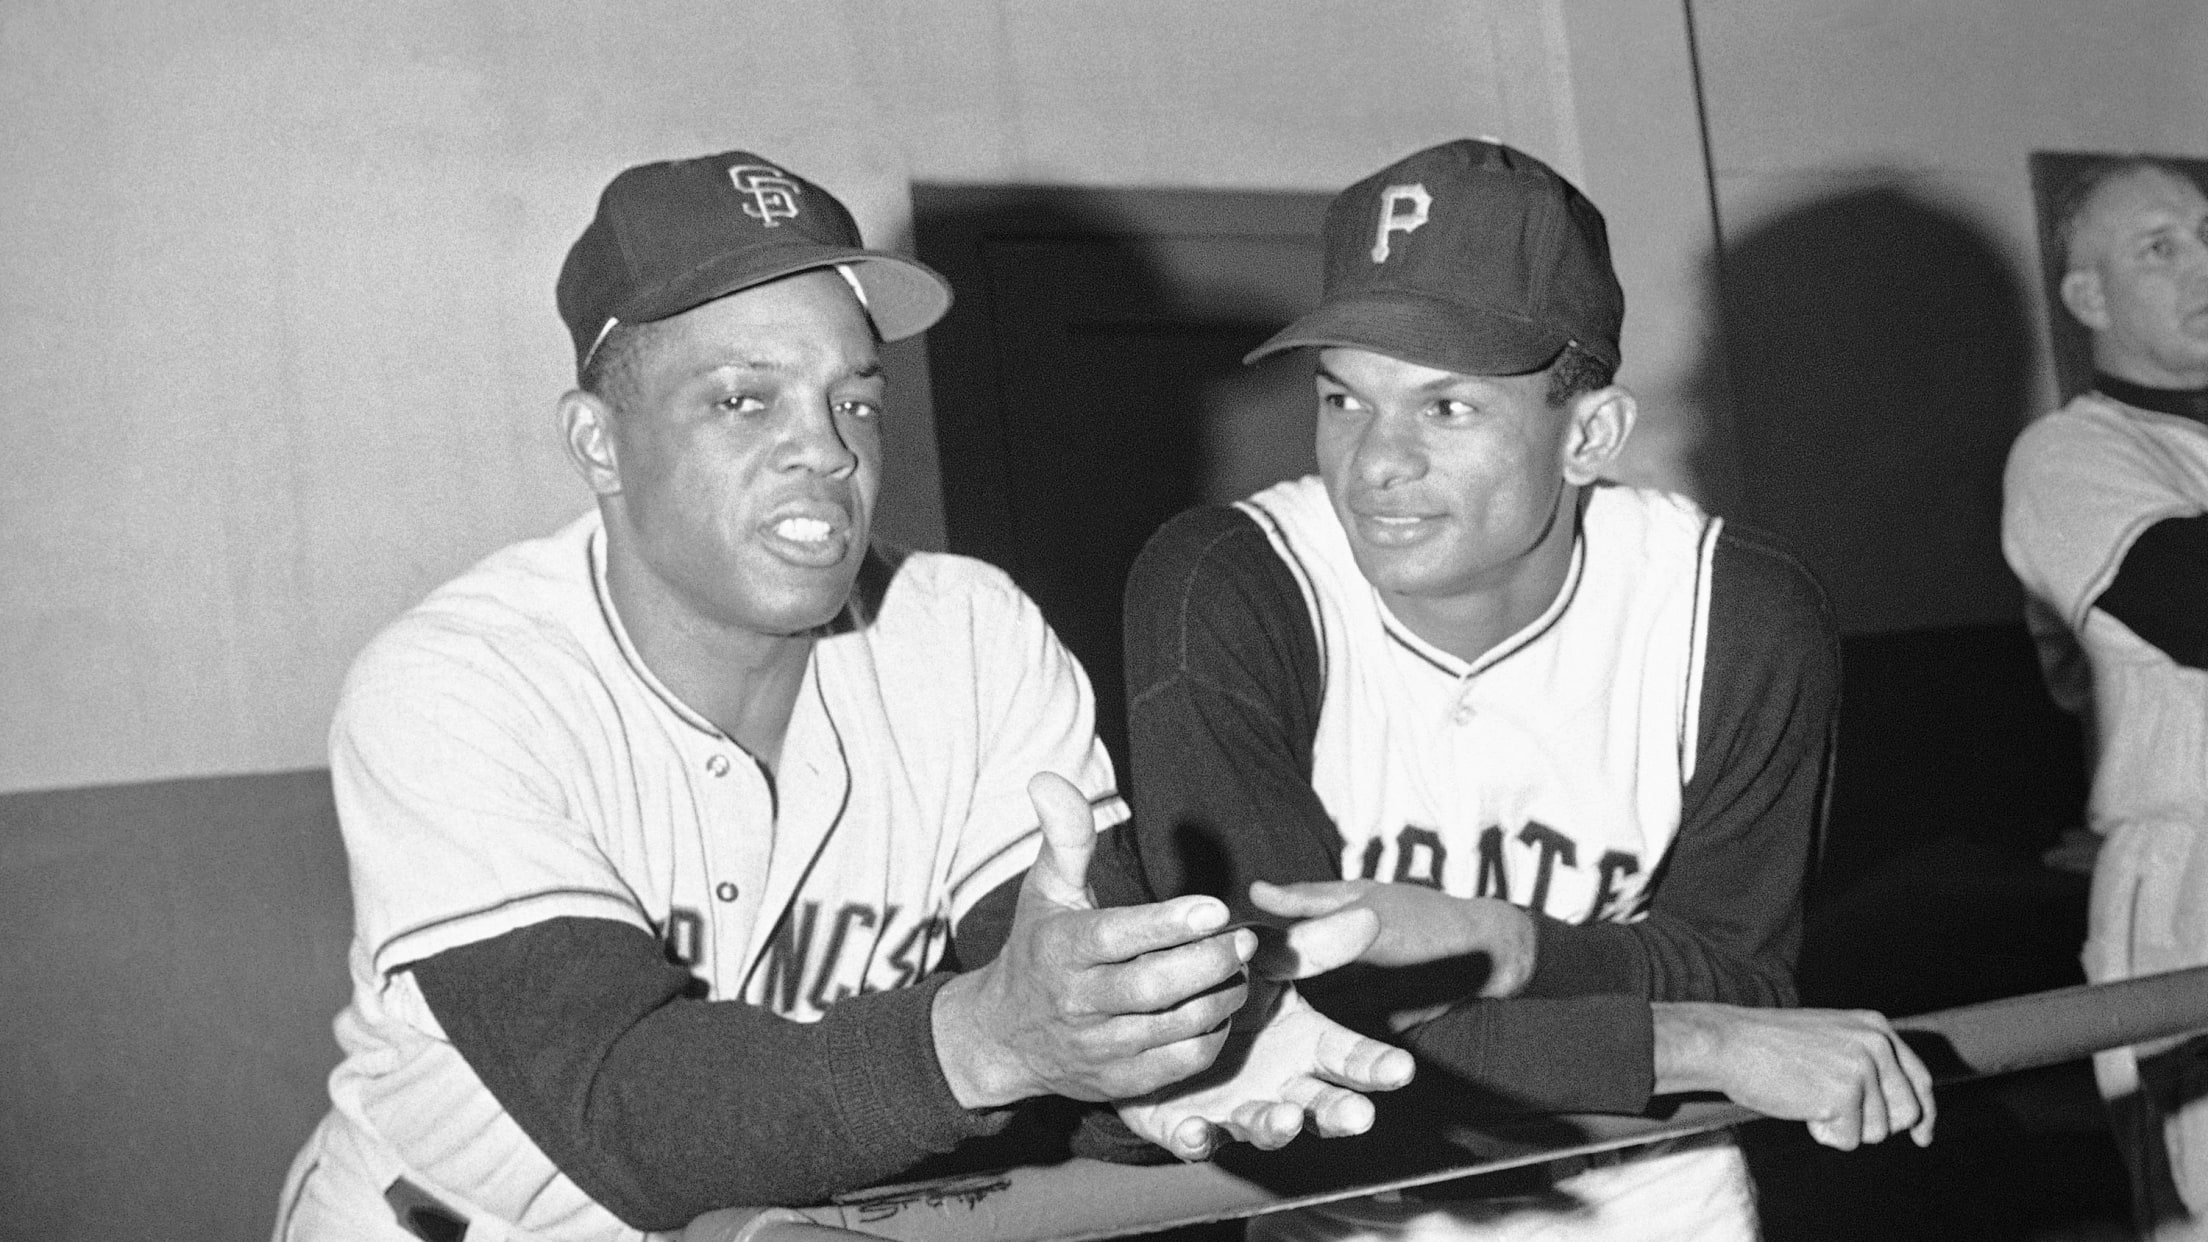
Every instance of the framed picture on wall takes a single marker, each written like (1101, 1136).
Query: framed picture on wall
(2055, 178)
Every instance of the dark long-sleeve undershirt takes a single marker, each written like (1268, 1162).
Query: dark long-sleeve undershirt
(1225, 688)
(661, 1105)
(2160, 591)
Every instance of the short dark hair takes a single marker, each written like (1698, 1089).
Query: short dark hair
(610, 373)
(2070, 202)
(1575, 371)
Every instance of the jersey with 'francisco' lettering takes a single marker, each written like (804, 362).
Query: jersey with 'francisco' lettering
(503, 758)
(1643, 766)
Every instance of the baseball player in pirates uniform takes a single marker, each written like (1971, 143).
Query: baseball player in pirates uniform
(667, 830)
(2105, 521)
(1568, 739)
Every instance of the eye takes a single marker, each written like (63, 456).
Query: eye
(1331, 398)
(862, 410)
(2162, 247)
(1451, 410)
(741, 403)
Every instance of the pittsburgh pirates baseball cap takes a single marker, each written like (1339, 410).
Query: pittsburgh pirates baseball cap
(1470, 256)
(676, 234)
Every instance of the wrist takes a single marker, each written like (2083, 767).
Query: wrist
(1687, 1046)
(981, 1072)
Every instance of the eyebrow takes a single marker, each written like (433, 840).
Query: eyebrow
(1448, 380)
(871, 370)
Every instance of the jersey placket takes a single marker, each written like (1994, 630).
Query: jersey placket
(736, 812)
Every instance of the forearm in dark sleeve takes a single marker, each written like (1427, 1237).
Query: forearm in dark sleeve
(1223, 701)
(2160, 591)
(662, 1106)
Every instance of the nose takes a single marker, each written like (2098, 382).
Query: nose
(814, 441)
(1388, 451)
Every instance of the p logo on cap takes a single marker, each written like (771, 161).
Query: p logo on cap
(1394, 221)
(1469, 256)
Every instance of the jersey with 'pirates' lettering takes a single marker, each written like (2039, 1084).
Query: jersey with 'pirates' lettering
(503, 761)
(1643, 767)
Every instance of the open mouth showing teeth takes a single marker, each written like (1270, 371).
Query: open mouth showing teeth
(802, 529)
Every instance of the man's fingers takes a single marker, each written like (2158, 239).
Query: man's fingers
(1191, 1140)
(1267, 1124)
(1317, 945)
(1123, 934)
(1361, 1063)
(1876, 1122)
(1834, 1133)
(1061, 871)
(1338, 1113)
(1305, 900)
(1920, 1082)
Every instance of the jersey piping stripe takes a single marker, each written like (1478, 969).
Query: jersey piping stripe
(1511, 646)
(820, 846)
(958, 886)
(625, 902)
(1690, 706)
(1277, 535)
(629, 656)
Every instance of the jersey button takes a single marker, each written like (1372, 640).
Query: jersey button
(717, 765)
(725, 891)
(1463, 714)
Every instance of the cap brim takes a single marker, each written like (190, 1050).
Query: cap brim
(904, 296)
(1448, 336)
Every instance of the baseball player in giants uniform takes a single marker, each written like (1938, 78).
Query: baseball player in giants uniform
(668, 831)
(2105, 520)
(1568, 739)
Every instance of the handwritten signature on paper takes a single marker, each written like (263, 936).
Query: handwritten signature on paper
(967, 1192)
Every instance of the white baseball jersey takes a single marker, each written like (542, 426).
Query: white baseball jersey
(501, 756)
(1548, 773)
(2083, 483)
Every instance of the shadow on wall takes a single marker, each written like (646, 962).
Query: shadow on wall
(1880, 364)
(1089, 385)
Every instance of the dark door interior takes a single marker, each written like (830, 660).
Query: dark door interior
(1088, 380)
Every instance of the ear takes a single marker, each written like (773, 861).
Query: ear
(2088, 302)
(1600, 422)
(586, 428)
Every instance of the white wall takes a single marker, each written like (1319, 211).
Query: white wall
(1924, 111)
(275, 278)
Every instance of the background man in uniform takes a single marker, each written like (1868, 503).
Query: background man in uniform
(2103, 521)
(1568, 739)
(663, 829)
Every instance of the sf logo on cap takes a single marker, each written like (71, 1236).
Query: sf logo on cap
(1395, 220)
(773, 195)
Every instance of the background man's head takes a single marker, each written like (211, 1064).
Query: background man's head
(725, 315)
(2134, 236)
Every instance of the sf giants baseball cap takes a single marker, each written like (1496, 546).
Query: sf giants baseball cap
(676, 234)
(1471, 257)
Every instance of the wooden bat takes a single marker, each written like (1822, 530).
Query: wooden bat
(1086, 1199)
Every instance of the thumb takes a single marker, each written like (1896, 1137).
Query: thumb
(1315, 946)
(1304, 900)
(1061, 871)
